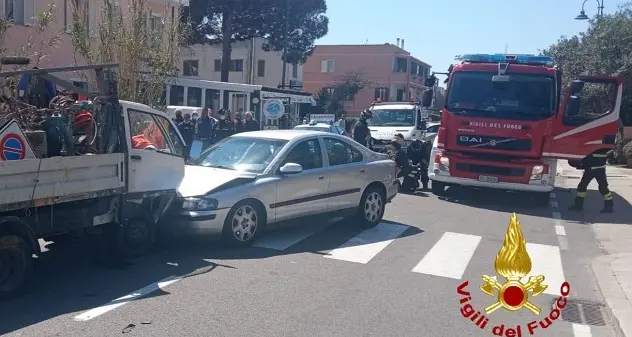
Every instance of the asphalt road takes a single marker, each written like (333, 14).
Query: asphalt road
(324, 278)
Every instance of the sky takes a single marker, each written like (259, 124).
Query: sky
(436, 31)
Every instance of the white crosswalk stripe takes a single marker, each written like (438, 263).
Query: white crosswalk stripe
(368, 243)
(450, 256)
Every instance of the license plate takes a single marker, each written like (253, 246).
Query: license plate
(488, 179)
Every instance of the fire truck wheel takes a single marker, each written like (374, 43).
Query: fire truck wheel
(542, 199)
(16, 265)
(438, 188)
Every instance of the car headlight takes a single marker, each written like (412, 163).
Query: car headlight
(199, 204)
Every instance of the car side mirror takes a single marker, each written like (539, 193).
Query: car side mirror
(426, 98)
(572, 107)
(291, 168)
(577, 86)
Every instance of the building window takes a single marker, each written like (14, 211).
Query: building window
(400, 65)
(194, 96)
(211, 98)
(190, 68)
(327, 66)
(295, 70)
(176, 95)
(156, 25)
(237, 65)
(381, 93)
(19, 12)
(400, 95)
(261, 68)
(217, 65)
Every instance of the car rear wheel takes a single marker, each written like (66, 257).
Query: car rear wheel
(244, 223)
(371, 209)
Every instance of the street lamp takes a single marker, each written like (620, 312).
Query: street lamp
(286, 42)
(582, 14)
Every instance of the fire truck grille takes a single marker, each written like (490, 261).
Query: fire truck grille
(491, 170)
(488, 142)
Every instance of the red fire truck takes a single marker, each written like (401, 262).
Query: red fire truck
(507, 121)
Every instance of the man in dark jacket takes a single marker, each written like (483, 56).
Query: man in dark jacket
(205, 129)
(250, 124)
(419, 154)
(238, 124)
(224, 126)
(187, 130)
(361, 132)
(179, 119)
(594, 166)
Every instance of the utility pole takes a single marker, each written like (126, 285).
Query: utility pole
(287, 41)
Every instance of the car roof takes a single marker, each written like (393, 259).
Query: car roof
(282, 134)
(320, 125)
(394, 106)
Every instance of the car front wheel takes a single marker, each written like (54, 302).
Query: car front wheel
(244, 223)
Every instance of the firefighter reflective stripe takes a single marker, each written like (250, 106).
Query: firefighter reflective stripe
(581, 194)
(597, 167)
(608, 196)
(597, 155)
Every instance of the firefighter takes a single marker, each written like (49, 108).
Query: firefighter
(594, 166)
(361, 132)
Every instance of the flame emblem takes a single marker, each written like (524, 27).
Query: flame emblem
(513, 263)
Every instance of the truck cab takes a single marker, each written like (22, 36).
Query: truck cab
(391, 118)
(507, 120)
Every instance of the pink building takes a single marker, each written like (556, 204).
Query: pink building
(395, 75)
(22, 12)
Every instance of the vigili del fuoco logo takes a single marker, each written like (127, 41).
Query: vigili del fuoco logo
(513, 264)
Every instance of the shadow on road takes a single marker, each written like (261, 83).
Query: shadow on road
(592, 207)
(73, 278)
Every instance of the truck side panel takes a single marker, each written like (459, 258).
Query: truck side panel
(58, 177)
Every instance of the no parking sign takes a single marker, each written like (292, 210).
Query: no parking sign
(13, 143)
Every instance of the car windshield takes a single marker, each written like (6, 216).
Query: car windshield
(392, 117)
(474, 93)
(247, 154)
(315, 128)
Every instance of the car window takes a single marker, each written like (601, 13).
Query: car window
(307, 154)
(432, 129)
(151, 132)
(340, 153)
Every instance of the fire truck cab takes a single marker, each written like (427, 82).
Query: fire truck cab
(507, 121)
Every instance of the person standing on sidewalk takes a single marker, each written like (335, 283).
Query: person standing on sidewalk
(205, 129)
(594, 166)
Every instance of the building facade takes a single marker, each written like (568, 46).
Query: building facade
(393, 73)
(21, 14)
(250, 64)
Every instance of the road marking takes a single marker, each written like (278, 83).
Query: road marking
(563, 242)
(450, 256)
(557, 215)
(368, 243)
(581, 330)
(546, 260)
(90, 314)
(283, 239)
(559, 230)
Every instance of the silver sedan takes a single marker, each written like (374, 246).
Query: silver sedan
(253, 181)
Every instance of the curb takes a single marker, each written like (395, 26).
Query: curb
(618, 306)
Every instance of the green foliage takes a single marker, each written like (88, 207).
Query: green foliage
(147, 54)
(331, 100)
(605, 48)
(327, 103)
(225, 21)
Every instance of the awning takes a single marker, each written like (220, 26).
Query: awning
(301, 99)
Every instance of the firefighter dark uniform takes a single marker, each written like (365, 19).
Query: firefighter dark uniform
(594, 166)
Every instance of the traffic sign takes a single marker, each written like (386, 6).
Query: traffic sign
(12, 147)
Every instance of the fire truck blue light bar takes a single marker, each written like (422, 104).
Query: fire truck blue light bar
(499, 58)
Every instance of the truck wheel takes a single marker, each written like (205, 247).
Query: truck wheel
(542, 199)
(438, 188)
(16, 265)
(136, 238)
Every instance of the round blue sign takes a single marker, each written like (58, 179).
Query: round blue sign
(273, 109)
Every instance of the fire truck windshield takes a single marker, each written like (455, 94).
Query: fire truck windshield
(524, 96)
(392, 117)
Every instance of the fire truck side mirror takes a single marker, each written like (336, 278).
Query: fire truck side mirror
(426, 98)
(572, 107)
(577, 86)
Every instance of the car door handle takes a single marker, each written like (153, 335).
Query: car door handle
(362, 170)
(321, 177)
(136, 157)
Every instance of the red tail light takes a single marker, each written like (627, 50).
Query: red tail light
(441, 137)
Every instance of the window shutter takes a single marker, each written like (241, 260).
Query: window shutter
(323, 66)
(29, 12)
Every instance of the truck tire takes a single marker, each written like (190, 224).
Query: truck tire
(136, 238)
(437, 187)
(16, 265)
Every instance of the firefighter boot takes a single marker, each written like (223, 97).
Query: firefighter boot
(578, 205)
(607, 206)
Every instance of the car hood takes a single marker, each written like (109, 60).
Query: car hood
(199, 180)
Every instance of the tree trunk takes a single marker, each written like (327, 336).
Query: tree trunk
(227, 38)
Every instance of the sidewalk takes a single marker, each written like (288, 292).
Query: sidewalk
(613, 271)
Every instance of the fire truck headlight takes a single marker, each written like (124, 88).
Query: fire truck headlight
(538, 169)
(445, 161)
